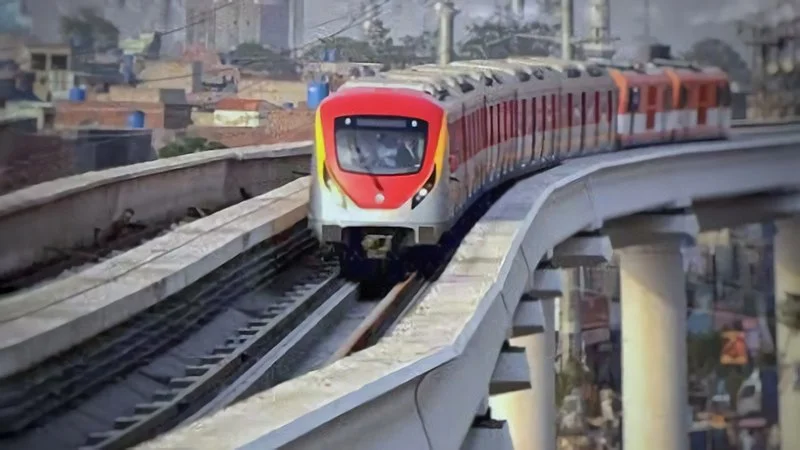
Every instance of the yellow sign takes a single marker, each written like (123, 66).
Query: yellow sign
(734, 349)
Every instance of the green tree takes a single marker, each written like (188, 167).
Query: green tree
(501, 37)
(88, 30)
(347, 49)
(420, 49)
(714, 52)
(703, 352)
(188, 145)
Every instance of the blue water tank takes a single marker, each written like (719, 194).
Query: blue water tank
(77, 94)
(317, 91)
(136, 120)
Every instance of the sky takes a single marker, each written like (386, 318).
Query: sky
(677, 22)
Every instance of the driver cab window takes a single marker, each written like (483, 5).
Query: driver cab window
(380, 145)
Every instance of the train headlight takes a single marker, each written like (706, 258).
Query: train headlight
(425, 190)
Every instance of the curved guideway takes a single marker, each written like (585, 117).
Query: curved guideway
(422, 386)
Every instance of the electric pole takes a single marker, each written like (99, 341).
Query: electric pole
(567, 21)
(447, 13)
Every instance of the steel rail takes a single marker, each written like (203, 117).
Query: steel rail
(369, 330)
(29, 399)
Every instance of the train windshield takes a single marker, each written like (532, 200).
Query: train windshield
(380, 145)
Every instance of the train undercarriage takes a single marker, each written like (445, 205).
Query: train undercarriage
(385, 254)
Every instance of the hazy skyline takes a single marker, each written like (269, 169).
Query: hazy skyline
(676, 22)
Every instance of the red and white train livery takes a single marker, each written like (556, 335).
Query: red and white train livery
(400, 156)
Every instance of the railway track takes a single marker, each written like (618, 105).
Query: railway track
(273, 313)
(145, 375)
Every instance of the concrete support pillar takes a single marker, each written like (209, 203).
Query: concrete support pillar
(570, 320)
(531, 412)
(654, 380)
(787, 291)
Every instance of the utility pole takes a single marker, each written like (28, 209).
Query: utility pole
(518, 9)
(567, 21)
(599, 43)
(296, 26)
(447, 13)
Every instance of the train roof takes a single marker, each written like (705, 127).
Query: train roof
(570, 68)
(519, 72)
(484, 77)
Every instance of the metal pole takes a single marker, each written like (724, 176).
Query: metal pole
(447, 15)
(518, 8)
(567, 20)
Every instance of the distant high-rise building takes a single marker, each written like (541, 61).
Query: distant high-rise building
(200, 23)
(273, 23)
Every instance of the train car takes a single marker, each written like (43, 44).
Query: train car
(401, 156)
(587, 97)
(702, 100)
(644, 110)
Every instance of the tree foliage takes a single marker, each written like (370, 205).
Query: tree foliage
(346, 48)
(500, 36)
(704, 351)
(714, 52)
(87, 29)
(188, 145)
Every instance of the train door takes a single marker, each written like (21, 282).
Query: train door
(634, 103)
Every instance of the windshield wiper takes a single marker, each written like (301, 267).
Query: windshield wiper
(365, 165)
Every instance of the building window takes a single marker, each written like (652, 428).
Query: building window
(58, 62)
(38, 61)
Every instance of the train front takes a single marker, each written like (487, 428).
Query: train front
(377, 167)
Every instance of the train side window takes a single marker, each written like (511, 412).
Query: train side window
(491, 125)
(583, 109)
(501, 123)
(569, 111)
(485, 127)
(509, 120)
(634, 99)
(597, 107)
(472, 141)
(543, 114)
(524, 125)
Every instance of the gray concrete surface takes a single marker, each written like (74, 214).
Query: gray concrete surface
(64, 213)
(40, 323)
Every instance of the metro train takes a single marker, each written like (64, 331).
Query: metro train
(400, 156)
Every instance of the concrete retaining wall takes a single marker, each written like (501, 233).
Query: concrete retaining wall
(65, 213)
